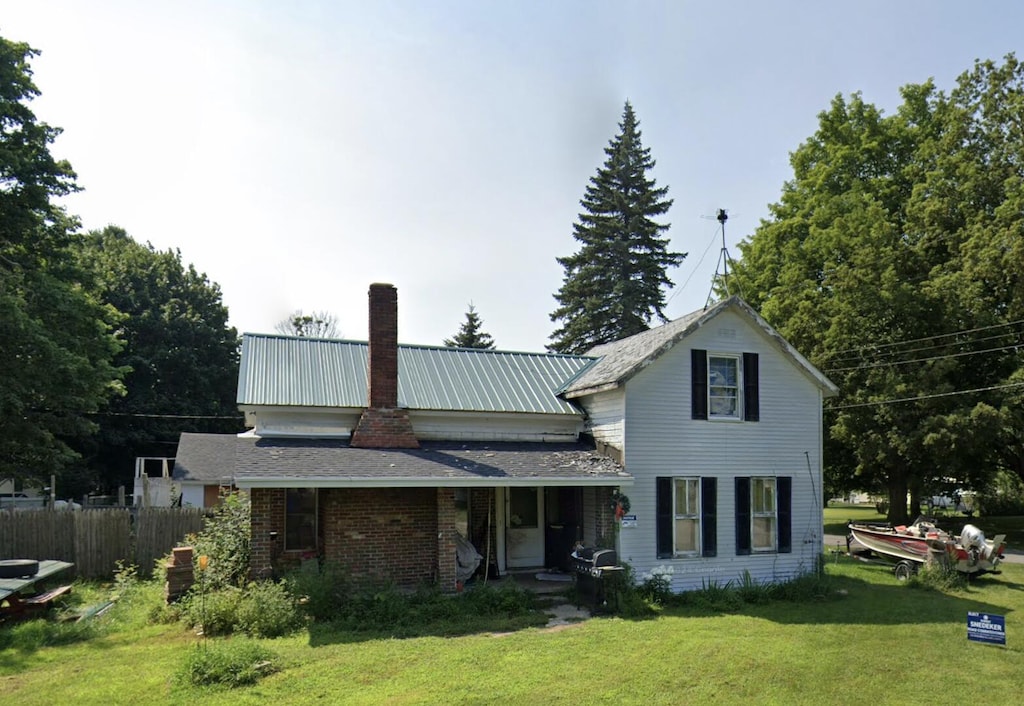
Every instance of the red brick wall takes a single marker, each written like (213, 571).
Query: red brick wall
(384, 533)
(384, 429)
(267, 507)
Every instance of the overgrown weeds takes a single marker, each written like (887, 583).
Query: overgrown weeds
(231, 663)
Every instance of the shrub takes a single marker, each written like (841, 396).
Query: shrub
(267, 609)
(261, 609)
(322, 594)
(225, 540)
(231, 663)
(937, 575)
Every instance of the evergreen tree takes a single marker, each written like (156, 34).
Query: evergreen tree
(470, 335)
(613, 284)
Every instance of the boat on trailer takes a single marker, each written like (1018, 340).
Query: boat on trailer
(907, 547)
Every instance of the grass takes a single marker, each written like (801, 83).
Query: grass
(876, 641)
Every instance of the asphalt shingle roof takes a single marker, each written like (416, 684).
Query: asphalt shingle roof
(620, 360)
(327, 462)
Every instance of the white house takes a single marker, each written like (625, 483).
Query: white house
(378, 455)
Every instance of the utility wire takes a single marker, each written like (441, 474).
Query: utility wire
(925, 397)
(886, 363)
(922, 349)
(876, 347)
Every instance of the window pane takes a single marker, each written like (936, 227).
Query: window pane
(523, 507)
(764, 533)
(686, 496)
(763, 495)
(686, 535)
(723, 386)
(300, 518)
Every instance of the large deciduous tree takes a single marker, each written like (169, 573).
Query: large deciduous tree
(613, 285)
(56, 344)
(180, 355)
(893, 259)
(471, 333)
(318, 324)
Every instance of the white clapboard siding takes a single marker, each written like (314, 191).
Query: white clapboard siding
(661, 439)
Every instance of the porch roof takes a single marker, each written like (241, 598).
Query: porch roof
(332, 463)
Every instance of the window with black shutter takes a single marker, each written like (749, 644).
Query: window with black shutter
(699, 383)
(742, 516)
(751, 398)
(785, 501)
(663, 517)
(709, 516)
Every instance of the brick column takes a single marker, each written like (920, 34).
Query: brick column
(446, 560)
(267, 515)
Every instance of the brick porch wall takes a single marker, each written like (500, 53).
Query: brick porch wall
(383, 533)
(267, 508)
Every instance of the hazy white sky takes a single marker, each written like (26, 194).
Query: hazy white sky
(297, 151)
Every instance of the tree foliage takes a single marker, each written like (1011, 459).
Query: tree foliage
(318, 324)
(56, 339)
(612, 286)
(470, 333)
(894, 260)
(180, 355)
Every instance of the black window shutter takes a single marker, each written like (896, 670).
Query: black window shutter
(709, 516)
(742, 516)
(699, 382)
(784, 490)
(751, 399)
(664, 517)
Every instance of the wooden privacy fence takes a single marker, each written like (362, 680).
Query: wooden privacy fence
(95, 540)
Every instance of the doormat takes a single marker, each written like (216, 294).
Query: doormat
(548, 576)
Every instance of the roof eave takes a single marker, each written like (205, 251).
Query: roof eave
(246, 483)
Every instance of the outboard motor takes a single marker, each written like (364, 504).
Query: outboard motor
(973, 540)
(972, 537)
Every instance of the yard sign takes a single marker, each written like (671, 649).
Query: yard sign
(986, 627)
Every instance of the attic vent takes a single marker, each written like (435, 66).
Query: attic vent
(727, 333)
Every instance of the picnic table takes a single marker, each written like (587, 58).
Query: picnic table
(27, 595)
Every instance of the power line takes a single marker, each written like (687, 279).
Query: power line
(926, 397)
(885, 363)
(933, 347)
(876, 347)
(162, 416)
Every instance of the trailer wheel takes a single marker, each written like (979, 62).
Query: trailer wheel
(904, 570)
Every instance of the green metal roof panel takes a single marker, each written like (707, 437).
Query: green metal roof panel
(289, 371)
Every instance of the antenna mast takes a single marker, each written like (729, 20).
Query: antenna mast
(723, 259)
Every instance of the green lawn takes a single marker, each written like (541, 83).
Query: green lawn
(877, 641)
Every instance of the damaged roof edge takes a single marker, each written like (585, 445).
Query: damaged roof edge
(385, 482)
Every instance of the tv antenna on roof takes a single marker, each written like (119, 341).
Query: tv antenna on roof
(723, 259)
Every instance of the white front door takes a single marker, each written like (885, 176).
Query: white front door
(524, 538)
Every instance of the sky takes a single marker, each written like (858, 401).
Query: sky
(296, 152)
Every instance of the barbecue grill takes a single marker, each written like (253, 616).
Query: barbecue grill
(592, 568)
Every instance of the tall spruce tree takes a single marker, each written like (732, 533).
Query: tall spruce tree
(470, 335)
(613, 283)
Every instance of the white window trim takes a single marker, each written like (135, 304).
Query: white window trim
(738, 415)
(696, 552)
(774, 514)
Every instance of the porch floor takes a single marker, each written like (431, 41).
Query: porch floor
(528, 580)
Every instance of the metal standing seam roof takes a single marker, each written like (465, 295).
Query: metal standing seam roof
(309, 372)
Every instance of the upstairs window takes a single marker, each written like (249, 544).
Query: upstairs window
(725, 386)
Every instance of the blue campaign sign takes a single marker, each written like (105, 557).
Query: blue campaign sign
(986, 627)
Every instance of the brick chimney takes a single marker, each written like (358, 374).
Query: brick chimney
(383, 425)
